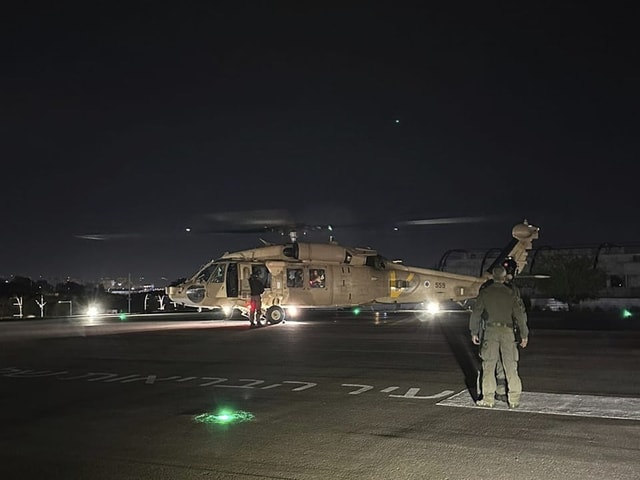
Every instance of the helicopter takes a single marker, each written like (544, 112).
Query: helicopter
(298, 275)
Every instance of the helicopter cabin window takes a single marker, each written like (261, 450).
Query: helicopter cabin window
(294, 278)
(218, 273)
(316, 278)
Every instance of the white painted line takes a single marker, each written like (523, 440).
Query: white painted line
(624, 408)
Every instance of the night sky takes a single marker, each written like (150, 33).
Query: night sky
(141, 117)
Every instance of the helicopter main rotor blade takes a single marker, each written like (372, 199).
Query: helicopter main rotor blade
(107, 236)
(281, 222)
(451, 220)
(258, 218)
(253, 221)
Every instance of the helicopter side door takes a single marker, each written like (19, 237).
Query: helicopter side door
(244, 274)
(232, 280)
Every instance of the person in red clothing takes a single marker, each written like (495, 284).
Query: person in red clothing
(255, 308)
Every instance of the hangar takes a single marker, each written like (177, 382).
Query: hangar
(620, 263)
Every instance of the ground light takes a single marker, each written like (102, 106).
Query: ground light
(356, 311)
(122, 316)
(626, 313)
(224, 417)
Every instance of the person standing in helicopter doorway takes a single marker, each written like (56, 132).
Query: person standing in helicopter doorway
(502, 308)
(255, 308)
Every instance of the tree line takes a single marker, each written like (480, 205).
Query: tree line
(23, 297)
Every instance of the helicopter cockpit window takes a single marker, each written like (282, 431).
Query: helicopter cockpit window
(316, 278)
(218, 273)
(294, 278)
(204, 274)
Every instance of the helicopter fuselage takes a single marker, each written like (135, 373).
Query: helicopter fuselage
(312, 275)
(326, 275)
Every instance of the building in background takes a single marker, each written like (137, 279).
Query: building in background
(620, 263)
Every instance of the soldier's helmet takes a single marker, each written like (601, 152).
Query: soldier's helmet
(499, 273)
(511, 266)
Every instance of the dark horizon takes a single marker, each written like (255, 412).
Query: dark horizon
(145, 119)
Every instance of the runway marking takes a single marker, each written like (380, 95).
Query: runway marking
(413, 393)
(389, 389)
(622, 408)
(361, 389)
(214, 382)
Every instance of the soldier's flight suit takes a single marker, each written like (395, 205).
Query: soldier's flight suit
(501, 378)
(502, 307)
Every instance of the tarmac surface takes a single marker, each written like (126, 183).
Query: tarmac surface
(329, 396)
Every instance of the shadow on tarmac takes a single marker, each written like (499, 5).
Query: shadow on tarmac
(465, 353)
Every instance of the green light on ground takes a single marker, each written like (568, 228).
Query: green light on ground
(122, 317)
(356, 311)
(224, 417)
(626, 313)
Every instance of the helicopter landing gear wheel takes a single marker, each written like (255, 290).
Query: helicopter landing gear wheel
(275, 314)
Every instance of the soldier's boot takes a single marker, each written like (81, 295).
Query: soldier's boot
(501, 389)
(484, 403)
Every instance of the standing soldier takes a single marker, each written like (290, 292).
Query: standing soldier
(502, 308)
(511, 268)
(255, 308)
